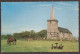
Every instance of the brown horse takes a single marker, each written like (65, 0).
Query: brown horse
(13, 40)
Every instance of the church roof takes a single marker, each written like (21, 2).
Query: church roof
(64, 30)
(52, 14)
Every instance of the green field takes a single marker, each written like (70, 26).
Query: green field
(38, 46)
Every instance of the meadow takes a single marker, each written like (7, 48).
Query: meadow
(39, 46)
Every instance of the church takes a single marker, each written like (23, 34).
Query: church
(55, 32)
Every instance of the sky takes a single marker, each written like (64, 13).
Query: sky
(26, 16)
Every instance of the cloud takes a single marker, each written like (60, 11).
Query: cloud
(45, 5)
(8, 29)
(11, 30)
(6, 26)
(74, 32)
(76, 9)
(28, 28)
(69, 6)
(66, 4)
(58, 8)
(41, 5)
(29, 2)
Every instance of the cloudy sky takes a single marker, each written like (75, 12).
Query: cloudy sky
(22, 16)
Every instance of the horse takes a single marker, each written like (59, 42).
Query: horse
(13, 40)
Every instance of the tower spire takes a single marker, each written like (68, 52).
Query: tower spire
(52, 14)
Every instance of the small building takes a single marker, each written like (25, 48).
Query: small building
(55, 32)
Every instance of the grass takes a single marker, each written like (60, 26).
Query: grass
(38, 46)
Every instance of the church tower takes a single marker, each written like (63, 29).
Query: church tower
(52, 26)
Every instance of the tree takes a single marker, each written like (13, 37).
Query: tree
(9, 36)
(16, 35)
(3, 36)
(29, 34)
(32, 34)
(42, 34)
(26, 34)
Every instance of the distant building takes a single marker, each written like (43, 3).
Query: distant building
(55, 32)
